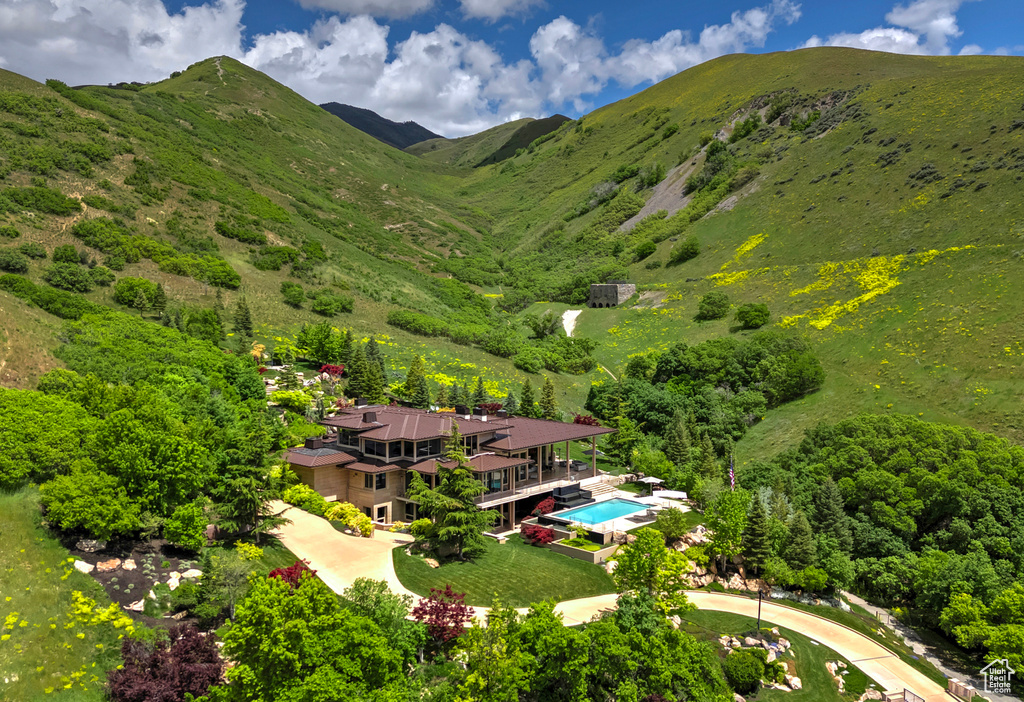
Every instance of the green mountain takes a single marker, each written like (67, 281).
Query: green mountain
(872, 204)
(397, 134)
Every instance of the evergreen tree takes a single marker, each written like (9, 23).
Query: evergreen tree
(779, 505)
(510, 405)
(548, 407)
(288, 380)
(829, 515)
(709, 468)
(527, 404)
(460, 396)
(691, 427)
(141, 302)
(357, 370)
(218, 305)
(479, 394)
(801, 551)
(373, 382)
(416, 384)
(677, 440)
(757, 545)
(458, 523)
(159, 299)
(442, 396)
(373, 355)
(243, 319)
(345, 352)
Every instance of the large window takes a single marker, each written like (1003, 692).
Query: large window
(367, 481)
(428, 448)
(470, 442)
(409, 449)
(381, 481)
(375, 448)
(396, 449)
(348, 438)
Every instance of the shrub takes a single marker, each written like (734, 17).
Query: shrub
(651, 175)
(505, 342)
(669, 131)
(293, 293)
(248, 552)
(753, 315)
(246, 236)
(331, 369)
(13, 261)
(186, 527)
(421, 528)
(743, 671)
(421, 324)
(292, 574)
(745, 128)
(343, 512)
(698, 555)
(9, 232)
(305, 498)
(713, 305)
(685, 250)
(811, 579)
(644, 249)
(530, 359)
(624, 172)
(94, 502)
(330, 304)
(295, 400)
(672, 523)
(183, 666)
(69, 276)
(545, 506)
(102, 276)
(537, 535)
(39, 200)
(57, 302)
(65, 253)
(32, 249)
(133, 292)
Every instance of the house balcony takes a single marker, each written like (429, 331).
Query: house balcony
(535, 484)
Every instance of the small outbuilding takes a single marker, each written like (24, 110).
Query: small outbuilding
(610, 294)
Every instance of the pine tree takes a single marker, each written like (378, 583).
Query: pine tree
(356, 372)
(373, 383)
(479, 394)
(288, 380)
(218, 305)
(373, 355)
(527, 404)
(709, 468)
(141, 302)
(442, 396)
(510, 404)
(460, 396)
(345, 352)
(243, 319)
(829, 516)
(459, 523)
(801, 552)
(159, 301)
(677, 440)
(416, 384)
(757, 545)
(548, 407)
(691, 427)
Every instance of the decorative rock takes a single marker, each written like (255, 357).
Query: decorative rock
(734, 643)
(91, 545)
(83, 567)
(174, 581)
(129, 565)
(724, 640)
(432, 563)
(136, 606)
(108, 566)
(775, 630)
(151, 595)
(870, 695)
(751, 641)
(771, 657)
(178, 616)
(175, 575)
(192, 573)
(737, 697)
(784, 643)
(794, 682)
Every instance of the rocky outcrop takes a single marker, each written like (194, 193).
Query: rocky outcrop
(90, 545)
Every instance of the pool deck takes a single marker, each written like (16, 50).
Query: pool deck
(624, 523)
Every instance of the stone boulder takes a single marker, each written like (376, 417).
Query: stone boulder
(784, 643)
(432, 563)
(108, 566)
(751, 641)
(129, 565)
(192, 573)
(737, 697)
(870, 694)
(90, 545)
(794, 682)
(136, 606)
(83, 567)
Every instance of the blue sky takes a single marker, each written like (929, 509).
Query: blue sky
(459, 66)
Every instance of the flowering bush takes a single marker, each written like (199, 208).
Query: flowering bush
(586, 419)
(537, 534)
(306, 498)
(331, 369)
(248, 552)
(490, 407)
(445, 613)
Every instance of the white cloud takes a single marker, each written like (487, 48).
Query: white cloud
(443, 79)
(970, 50)
(393, 9)
(494, 10)
(922, 27)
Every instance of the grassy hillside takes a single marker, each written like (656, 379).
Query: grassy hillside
(886, 230)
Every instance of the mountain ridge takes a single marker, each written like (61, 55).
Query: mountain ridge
(397, 134)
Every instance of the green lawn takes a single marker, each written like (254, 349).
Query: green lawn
(44, 649)
(518, 574)
(275, 555)
(810, 659)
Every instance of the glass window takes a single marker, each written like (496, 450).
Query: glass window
(375, 448)
(382, 514)
(368, 512)
(382, 481)
(410, 449)
(410, 512)
(395, 450)
(367, 481)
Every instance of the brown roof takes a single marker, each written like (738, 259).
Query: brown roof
(524, 433)
(312, 458)
(481, 463)
(369, 465)
(394, 423)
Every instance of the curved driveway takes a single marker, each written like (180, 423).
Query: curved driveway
(340, 559)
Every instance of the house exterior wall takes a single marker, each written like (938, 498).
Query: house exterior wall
(329, 481)
(610, 294)
(364, 498)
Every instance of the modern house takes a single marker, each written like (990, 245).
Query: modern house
(366, 457)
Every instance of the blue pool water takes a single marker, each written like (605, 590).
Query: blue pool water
(602, 511)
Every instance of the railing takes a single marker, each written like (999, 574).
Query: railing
(547, 481)
(961, 689)
(902, 696)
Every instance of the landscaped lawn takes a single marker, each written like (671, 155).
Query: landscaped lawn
(44, 648)
(275, 555)
(519, 574)
(810, 659)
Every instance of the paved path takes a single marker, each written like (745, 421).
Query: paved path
(340, 559)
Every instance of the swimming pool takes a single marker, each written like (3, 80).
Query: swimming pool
(601, 511)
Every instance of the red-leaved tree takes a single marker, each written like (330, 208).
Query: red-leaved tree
(445, 613)
(292, 574)
(537, 534)
(331, 369)
(166, 671)
(587, 419)
(490, 407)
(545, 506)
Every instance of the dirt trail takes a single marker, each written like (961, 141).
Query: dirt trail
(569, 320)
